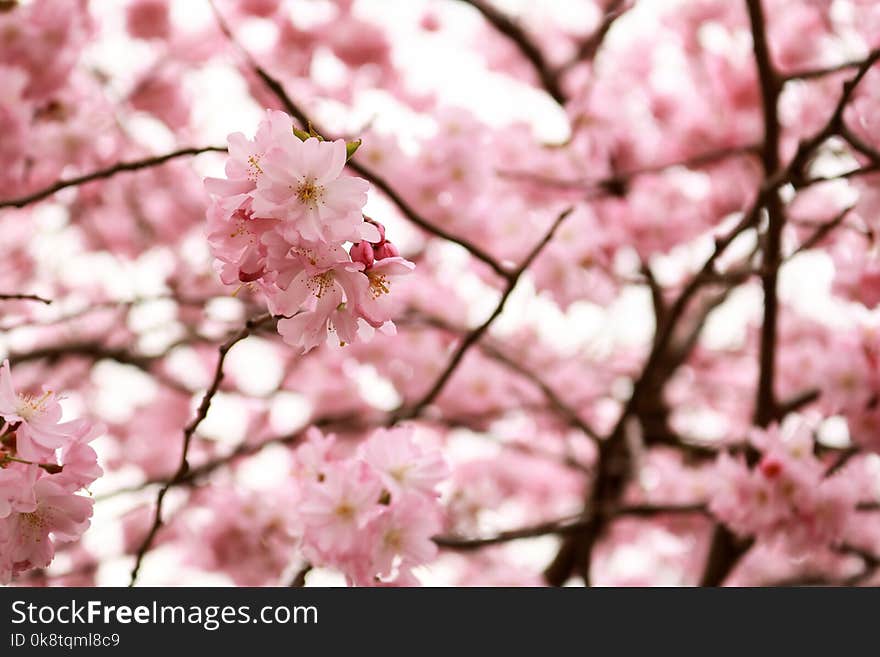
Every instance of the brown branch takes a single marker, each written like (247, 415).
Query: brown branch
(24, 297)
(725, 549)
(619, 181)
(822, 231)
(857, 172)
(590, 46)
(299, 578)
(860, 145)
(541, 529)
(507, 27)
(560, 526)
(840, 461)
(570, 414)
(496, 353)
(108, 172)
(92, 350)
(771, 86)
(813, 73)
(796, 402)
(188, 433)
(471, 338)
(578, 546)
(835, 124)
(658, 303)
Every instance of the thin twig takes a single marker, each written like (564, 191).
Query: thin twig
(621, 179)
(108, 172)
(25, 297)
(188, 433)
(471, 338)
(822, 231)
(507, 27)
(560, 526)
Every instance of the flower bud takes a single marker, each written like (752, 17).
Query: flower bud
(379, 227)
(386, 250)
(770, 467)
(362, 252)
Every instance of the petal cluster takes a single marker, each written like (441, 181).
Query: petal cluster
(787, 497)
(44, 463)
(280, 221)
(371, 515)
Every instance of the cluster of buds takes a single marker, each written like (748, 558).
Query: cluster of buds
(369, 252)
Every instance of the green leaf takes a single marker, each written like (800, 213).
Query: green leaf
(350, 148)
(302, 134)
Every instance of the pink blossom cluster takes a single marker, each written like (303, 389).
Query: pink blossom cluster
(44, 463)
(788, 495)
(371, 515)
(280, 220)
(238, 532)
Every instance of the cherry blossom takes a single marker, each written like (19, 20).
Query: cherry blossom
(477, 293)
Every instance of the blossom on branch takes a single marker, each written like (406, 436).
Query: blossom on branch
(280, 221)
(44, 463)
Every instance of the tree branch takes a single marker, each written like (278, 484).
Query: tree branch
(560, 526)
(188, 433)
(24, 297)
(110, 171)
(507, 27)
(471, 338)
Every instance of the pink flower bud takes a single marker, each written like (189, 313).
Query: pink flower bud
(379, 227)
(362, 252)
(386, 250)
(770, 468)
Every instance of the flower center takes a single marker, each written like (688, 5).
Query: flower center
(320, 283)
(308, 193)
(379, 284)
(253, 167)
(34, 520)
(29, 406)
(399, 473)
(393, 539)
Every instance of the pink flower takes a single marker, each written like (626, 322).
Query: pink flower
(17, 488)
(319, 300)
(402, 464)
(243, 168)
(281, 218)
(336, 510)
(27, 540)
(39, 431)
(403, 535)
(312, 457)
(262, 8)
(374, 303)
(786, 497)
(301, 182)
(235, 236)
(80, 461)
